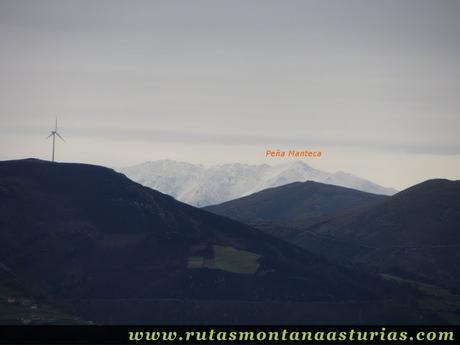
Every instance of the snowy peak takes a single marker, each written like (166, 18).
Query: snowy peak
(201, 186)
(344, 179)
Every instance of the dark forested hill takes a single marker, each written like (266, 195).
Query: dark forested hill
(294, 201)
(87, 231)
(112, 250)
(413, 234)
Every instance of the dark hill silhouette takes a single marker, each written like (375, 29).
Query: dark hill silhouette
(294, 201)
(414, 234)
(86, 231)
(99, 246)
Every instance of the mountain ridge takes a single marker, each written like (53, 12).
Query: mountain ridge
(292, 202)
(202, 186)
(414, 233)
(88, 239)
(76, 227)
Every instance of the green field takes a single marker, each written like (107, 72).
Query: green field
(228, 259)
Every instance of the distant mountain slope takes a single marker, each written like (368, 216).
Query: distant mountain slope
(82, 231)
(423, 215)
(294, 201)
(415, 233)
(200, 186)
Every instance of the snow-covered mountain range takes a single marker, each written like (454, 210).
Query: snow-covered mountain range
(200, 186)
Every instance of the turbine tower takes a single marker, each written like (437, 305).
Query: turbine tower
(54, 134)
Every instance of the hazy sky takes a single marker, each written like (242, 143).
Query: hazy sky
(374, 85)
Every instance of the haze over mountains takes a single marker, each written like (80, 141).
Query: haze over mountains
(202, 186)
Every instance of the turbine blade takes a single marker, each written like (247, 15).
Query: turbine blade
(49, 135)
(60, 136)
(55, 125)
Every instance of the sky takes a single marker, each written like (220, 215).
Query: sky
(373, 85)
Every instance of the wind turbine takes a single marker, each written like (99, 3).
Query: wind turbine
(54, 134)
